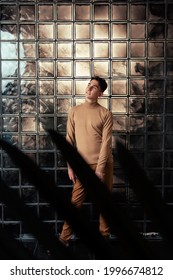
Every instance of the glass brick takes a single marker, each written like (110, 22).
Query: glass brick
(64, 12)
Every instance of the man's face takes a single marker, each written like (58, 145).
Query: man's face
(93, 90)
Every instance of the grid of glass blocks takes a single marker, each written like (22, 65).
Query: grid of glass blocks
(49, 51)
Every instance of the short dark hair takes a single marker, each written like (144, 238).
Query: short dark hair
(102, 83)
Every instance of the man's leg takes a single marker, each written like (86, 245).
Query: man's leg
(103, 227)
(78, 197)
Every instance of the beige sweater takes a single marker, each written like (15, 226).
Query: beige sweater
(89, 129)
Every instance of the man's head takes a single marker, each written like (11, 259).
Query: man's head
(95, 88)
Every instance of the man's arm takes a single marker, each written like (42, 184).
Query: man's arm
(106, 145)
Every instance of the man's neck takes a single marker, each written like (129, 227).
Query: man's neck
(90, 101)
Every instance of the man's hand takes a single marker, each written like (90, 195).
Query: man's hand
(71, 175)
(100, 175)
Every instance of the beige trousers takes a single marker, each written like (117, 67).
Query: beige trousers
(78, 197)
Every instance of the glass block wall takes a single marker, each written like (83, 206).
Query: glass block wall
(49, 51)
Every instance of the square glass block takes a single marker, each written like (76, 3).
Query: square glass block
(46, 87)
(64, 87)
(64, 68)
(10, 124)
(137, 49)
(119, 49)
(169, 50)
(119, 105)
(168, 159)
(64, 12)
(169, 105)
(82, 31)
(46, 68)
(82, 68)
(138, 12)
(46, 105)
(156, 68)
(119, 31)
(45, 12)
(28, 124)
(82, 50)
(9, 87)
(155, 87)
(169, 87)
(46, 123)
(119, 68)
(101, 68)
(9, 68)
(155, 105)
(137, 124)
(154, 159)
(154, 142)
(169, 31)
(46, 50)
(61, 124)
(154, 123)
(169, 68)
(9, 12)
(28, 142)
(27, 68)
(7, 161)
(137, 87)
(101, 31)
(45, 31)
(79, 101)
(169, 123)
(64, 50)
(82, 12)
(9, 50)
(63, 105)
(27, 87)
(9, 32)
(29, 195)
(104, 102)
(10, 105)
(155, 49)
(138, 30)
(136, 142)
(45, 142)
(119, 123)
(46, 159)
(119, 87)
(119, 12)
(137, 105)
(27, 12)
(101, 50)
(137, 68)
(156, 11)
(27, 50)
(64, 31)
(27, 31)
(156, 31)
(101, 12)
(80, 87)
(28, 105)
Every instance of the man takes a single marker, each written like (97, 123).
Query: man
(89, 129)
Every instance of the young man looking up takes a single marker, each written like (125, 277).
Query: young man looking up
(89, 129)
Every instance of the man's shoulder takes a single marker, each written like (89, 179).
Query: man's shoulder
(104, 110)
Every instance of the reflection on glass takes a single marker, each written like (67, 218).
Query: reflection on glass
(46, 68)
(45, 50)
(45, 31)
(27, 31)
(137, 68)
(119, 68)
(64, 12)
(119, 87)
(82, 12)
(82, 68)
(119, 123)
(27, 87)
(119, 12)
(10, 124)
(83, 50)
(156, 68)
(9, 32)
(119, 49)
(101, 68)
(45, 12)
(156, 31)
(137, 87)
(119, 31)
(101, 50)
(64, 69)
(9, 50)
(82, 31)
(156, 49)
(46, 106)
(46, 87)
(29, 50)
(28, 142)
(27, 12)
(138, 30)
(80, 87)
(10, 106)
(64, 87)
(28, 106)
(101, 31)
(9, 68)
(138, 12)
(137, 49)
(119, 105)
(63, 105)
(28, 124)
(64, 50)
(137, 105)
(101, 12)
(64, 31)
(137, 123)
